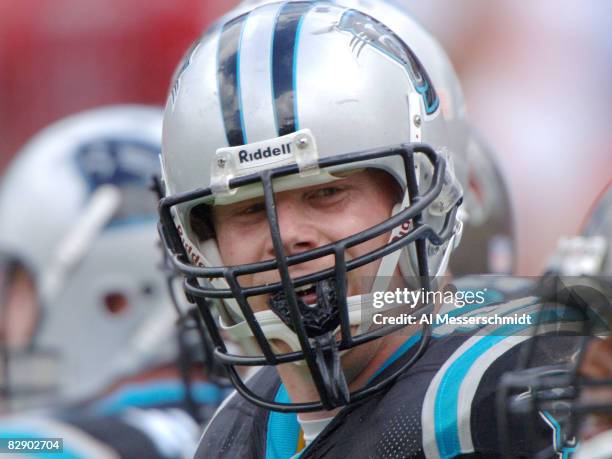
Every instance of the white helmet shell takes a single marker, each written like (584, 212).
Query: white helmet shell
(77, 213)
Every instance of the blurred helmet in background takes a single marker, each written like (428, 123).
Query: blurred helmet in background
(590, 252)
(82, 301)
(599, 224)
(488, 243)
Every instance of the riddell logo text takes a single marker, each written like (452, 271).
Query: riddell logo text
(195, 258)
(246, 157)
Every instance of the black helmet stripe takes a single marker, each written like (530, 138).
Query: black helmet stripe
(228, 81)
(284, 49)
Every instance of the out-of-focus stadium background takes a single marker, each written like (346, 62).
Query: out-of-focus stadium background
(62, 56)
(536, 77)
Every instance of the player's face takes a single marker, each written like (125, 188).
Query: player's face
(19, 308)
(308, 218)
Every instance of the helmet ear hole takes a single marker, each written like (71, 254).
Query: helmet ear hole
(116, 303)
(148, 290)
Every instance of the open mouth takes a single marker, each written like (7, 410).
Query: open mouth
(317, 304)
(307, 294)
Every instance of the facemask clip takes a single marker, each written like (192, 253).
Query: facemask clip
(327, 357)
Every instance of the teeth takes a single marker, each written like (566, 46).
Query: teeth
(304, 288)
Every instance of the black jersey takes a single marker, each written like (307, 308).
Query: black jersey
(442, 407)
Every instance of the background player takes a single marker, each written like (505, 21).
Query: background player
(87, 329)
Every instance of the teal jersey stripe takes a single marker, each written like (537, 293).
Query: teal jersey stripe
(157, 393)
(445, 411)
(283, 430)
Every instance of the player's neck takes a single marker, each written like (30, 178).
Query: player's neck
(388, 347)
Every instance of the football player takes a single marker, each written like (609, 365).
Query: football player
(583, 386)
(596, 433)
(87, 328)
(308, 170)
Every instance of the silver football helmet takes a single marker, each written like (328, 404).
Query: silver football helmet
(78, 222)
(295, 94)
(488, 240)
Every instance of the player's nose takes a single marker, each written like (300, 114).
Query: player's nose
(298, 231)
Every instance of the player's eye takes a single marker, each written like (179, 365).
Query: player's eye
(326, 195)
(253, 209)
(327, 192)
